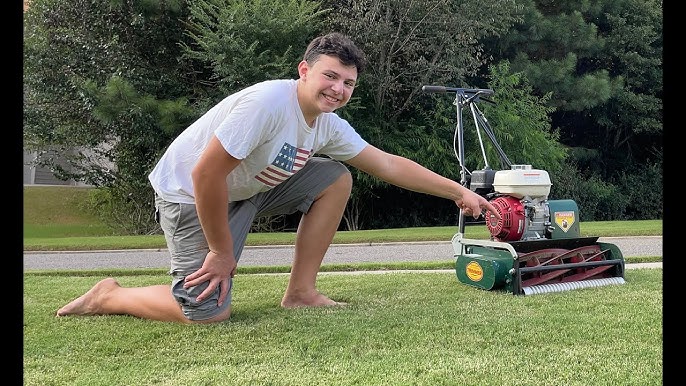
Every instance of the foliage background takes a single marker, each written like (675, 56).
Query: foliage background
(578, 92)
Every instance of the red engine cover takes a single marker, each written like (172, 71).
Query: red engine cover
(510, 227)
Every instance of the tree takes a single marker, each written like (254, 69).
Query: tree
(601, 61)
(410, 44)
(239, 43)
(105, 78)
(521, 121)
(120, 80)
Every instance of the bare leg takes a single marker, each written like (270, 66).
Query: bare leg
(107, 297)
(315, 233)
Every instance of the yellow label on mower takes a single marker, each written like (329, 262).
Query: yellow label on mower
(564, 219)
(474, 271)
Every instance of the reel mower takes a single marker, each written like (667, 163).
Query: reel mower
(536, 246)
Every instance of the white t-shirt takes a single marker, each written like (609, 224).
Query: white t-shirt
(264, 127)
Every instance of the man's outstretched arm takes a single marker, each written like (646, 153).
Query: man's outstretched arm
(410, 175)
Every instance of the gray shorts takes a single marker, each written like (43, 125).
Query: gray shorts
(186, 240)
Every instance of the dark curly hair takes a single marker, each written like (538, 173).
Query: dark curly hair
(338, 45)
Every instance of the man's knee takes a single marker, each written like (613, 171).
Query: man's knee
(345, 182)
(205, 311)
(222, 316)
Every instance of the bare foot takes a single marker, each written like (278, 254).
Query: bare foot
(315, 300)
(88, 303)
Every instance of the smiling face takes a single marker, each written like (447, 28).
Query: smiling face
(324, 86)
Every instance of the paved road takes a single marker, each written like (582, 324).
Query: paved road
(282, 255)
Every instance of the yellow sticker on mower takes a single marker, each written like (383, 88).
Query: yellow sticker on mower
(474, 271)
(564, 220)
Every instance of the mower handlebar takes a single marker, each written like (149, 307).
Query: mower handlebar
(471, 93)
(444, 89)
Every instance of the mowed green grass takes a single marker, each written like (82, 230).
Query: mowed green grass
(399, 328)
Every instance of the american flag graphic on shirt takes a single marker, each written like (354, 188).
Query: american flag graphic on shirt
(289, 160)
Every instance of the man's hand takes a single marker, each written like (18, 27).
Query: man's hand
(473, 204)
(217, 269)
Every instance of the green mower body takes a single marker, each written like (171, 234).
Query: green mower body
(553, 258)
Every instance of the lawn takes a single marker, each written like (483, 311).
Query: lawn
(399, 329)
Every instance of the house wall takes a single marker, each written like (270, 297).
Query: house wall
(41, 175)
